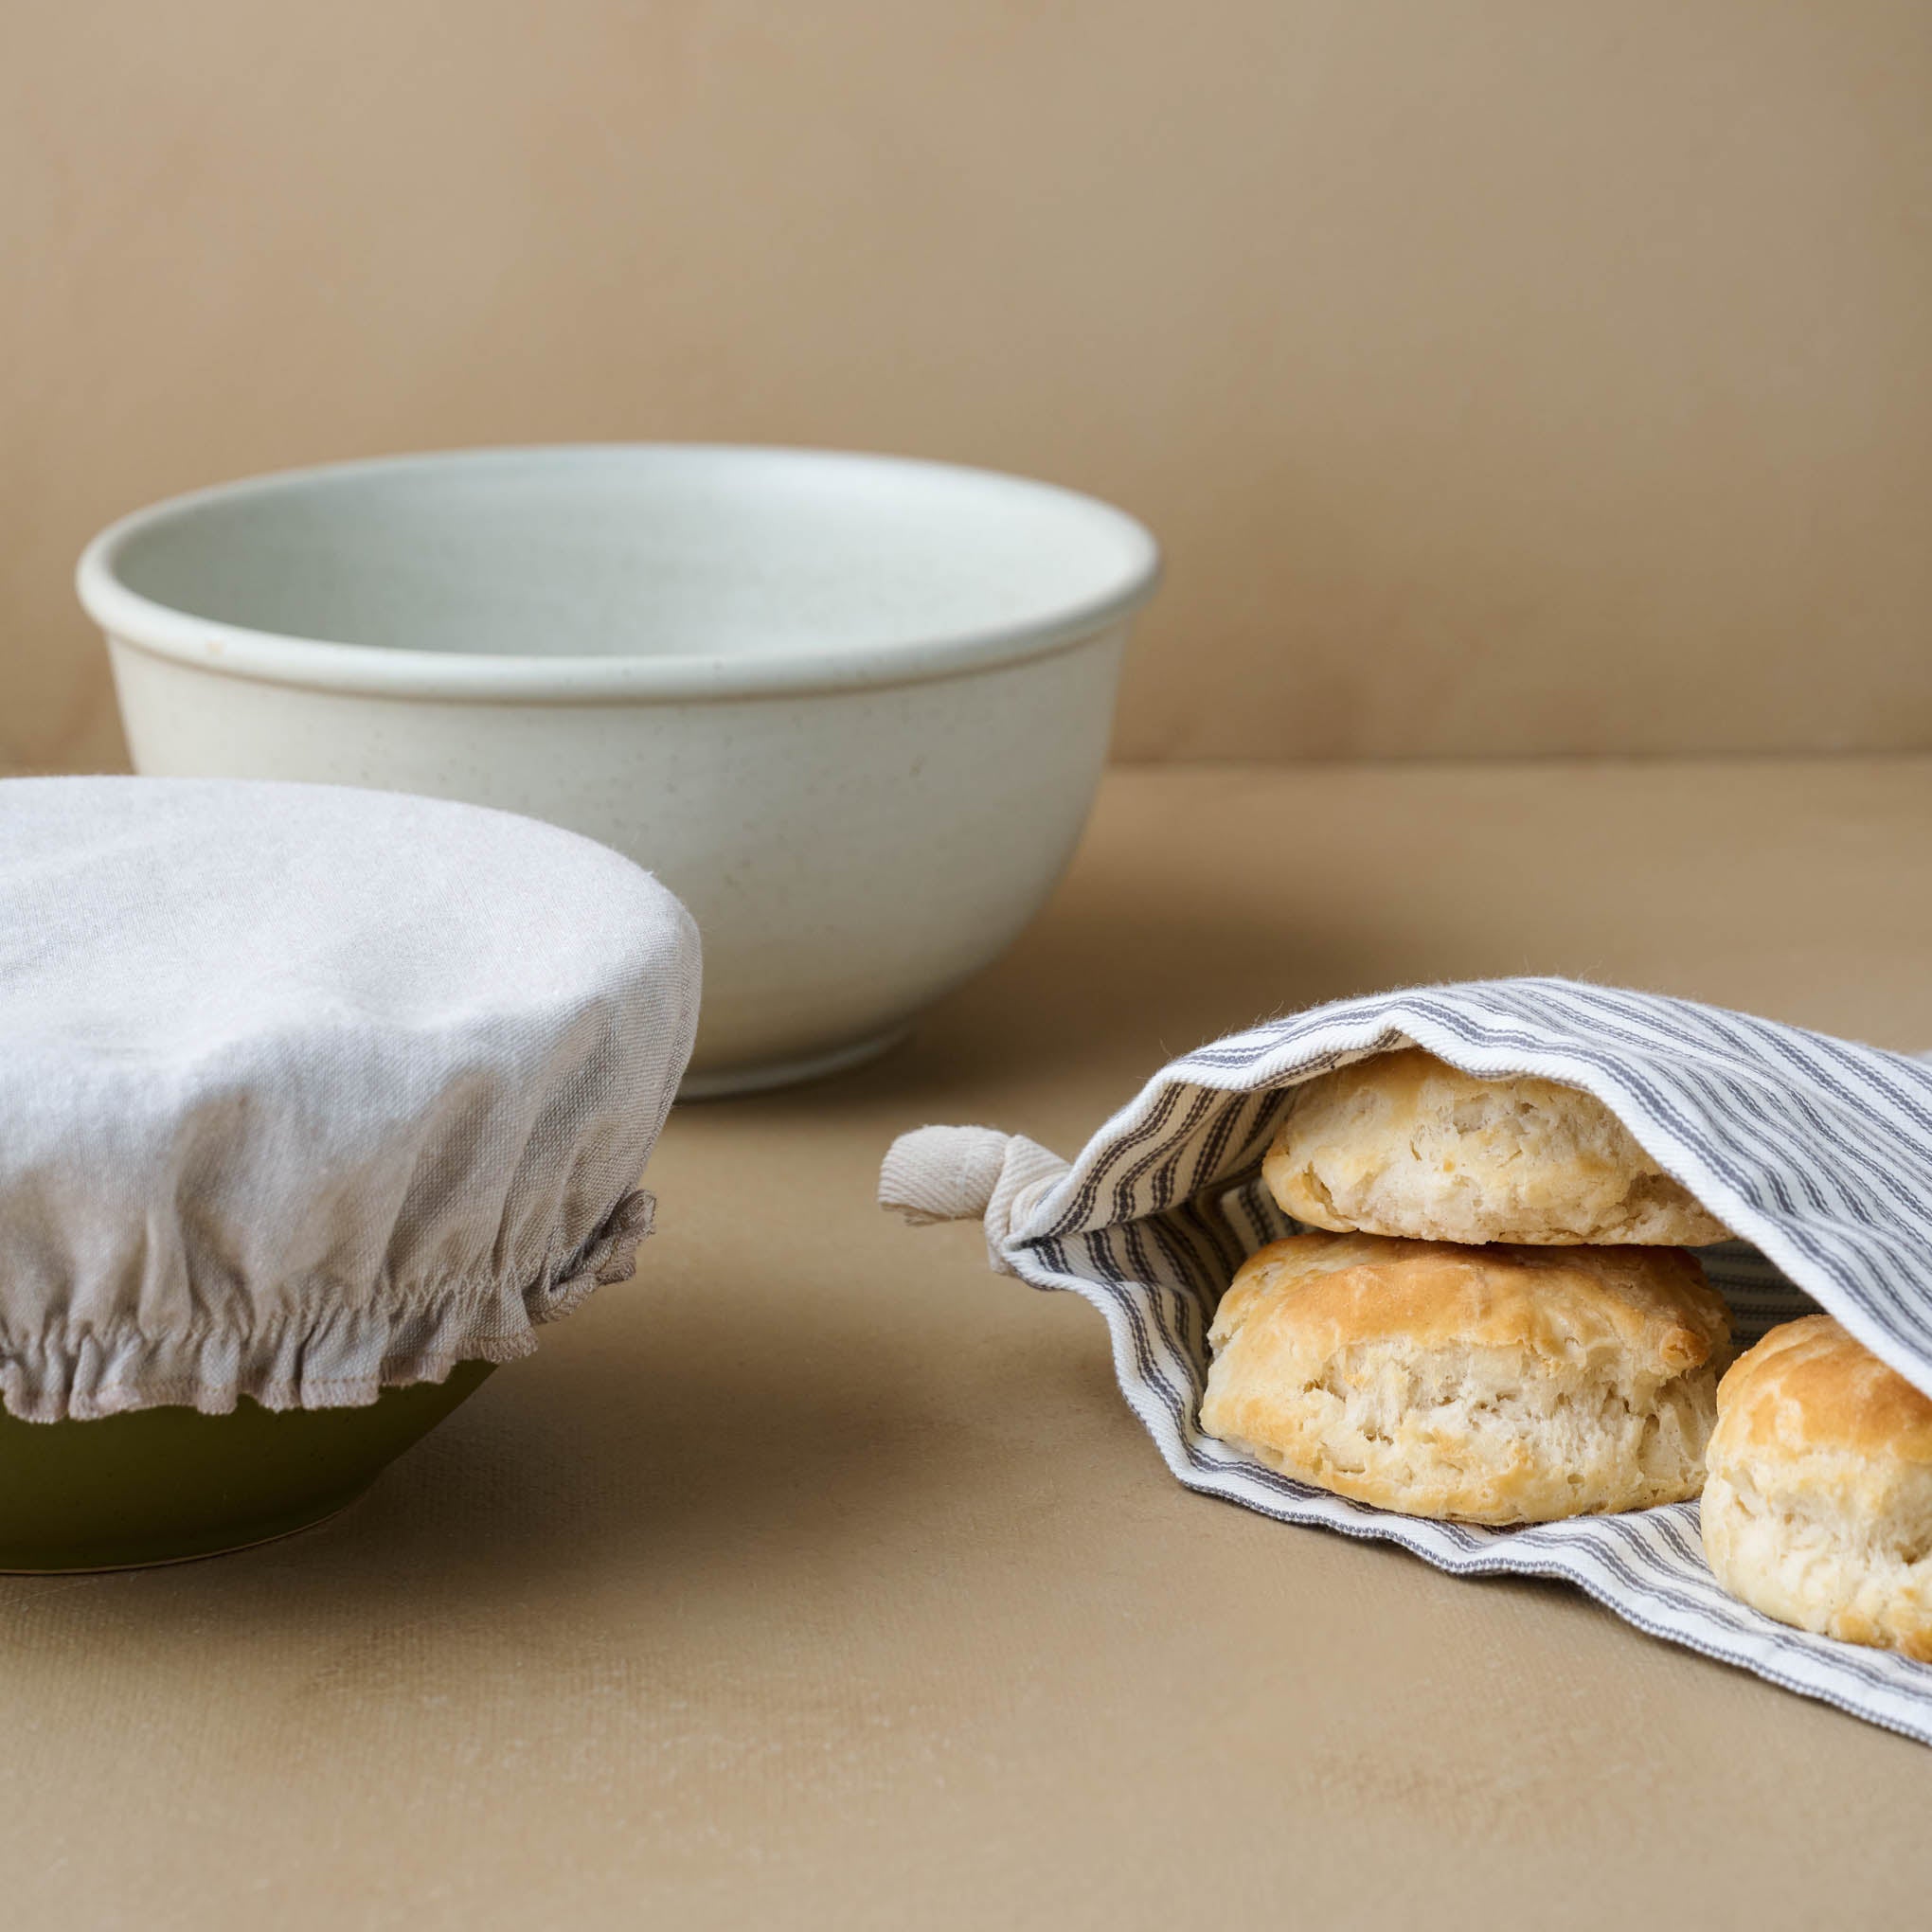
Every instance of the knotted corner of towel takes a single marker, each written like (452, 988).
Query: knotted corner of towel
(967, 1173)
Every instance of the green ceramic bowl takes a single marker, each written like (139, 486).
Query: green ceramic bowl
(165, 1484)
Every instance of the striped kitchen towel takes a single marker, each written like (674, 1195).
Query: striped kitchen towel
(1816, 1152)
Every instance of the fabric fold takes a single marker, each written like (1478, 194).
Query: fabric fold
(968, 1173)
(326, 1356)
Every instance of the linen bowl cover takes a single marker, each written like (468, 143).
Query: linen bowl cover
(307, 1092)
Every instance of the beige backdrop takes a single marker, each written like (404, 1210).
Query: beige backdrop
(1502, 376)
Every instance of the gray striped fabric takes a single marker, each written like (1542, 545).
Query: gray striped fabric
(1817, 1151)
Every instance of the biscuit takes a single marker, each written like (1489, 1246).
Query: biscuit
(1818, 1510)
(1495, 1385)
(1405, 1144)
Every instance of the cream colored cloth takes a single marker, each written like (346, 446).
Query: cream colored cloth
(968, 1173)
(310, 1091)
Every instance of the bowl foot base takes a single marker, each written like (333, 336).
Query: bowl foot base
(720, 1083)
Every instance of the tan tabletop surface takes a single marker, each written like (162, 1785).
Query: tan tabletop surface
(819, 1578)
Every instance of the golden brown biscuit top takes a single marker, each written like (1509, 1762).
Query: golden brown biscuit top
(1409, 1079)
(1811, 1385)
(1405, 1143)
(1654, 1304)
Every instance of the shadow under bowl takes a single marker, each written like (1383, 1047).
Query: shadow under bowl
(163, 1485)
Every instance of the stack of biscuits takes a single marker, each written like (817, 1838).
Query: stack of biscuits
(1500, 1324)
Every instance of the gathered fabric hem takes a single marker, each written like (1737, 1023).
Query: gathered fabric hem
(317, 1355)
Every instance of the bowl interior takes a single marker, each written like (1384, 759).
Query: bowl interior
(641, 551)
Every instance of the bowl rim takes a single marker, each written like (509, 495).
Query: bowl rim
(323, 664)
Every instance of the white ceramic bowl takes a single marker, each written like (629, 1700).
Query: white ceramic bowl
(851, 709)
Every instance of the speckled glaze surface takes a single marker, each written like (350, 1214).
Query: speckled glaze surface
(850, 709)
